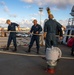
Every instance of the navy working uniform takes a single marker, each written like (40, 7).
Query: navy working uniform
(12, 35)
(33, 30)
(52, 28)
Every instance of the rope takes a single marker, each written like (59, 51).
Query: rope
(12, 31)
(21, 54)
(71, 58)
(42, 34)
(31, 55)
(36, 34)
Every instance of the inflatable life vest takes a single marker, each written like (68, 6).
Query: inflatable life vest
(70, 42)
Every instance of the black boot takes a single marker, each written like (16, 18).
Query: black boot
(72, 52)
(37, 51)
(15, 49)
(29, 50)
(5, 49)
(47, 68)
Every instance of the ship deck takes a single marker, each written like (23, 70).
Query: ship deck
(22, 63)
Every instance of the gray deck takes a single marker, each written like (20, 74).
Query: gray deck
(23, 64)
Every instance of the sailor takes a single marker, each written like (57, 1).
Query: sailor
(51, 27)
(35, 29)
(59, 32)
(12, 35)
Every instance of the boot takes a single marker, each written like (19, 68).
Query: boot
(72, 52)
(29, 50)
(7, 48)
(37, 51)
(47, 68)
(15, 49)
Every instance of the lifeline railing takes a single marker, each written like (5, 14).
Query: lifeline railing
(31, 34)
